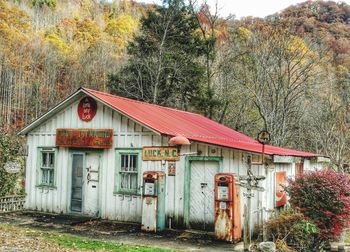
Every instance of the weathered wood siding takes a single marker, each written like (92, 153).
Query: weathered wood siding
(128, 134)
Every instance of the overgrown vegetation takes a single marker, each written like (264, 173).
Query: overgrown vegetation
(9, 146)
(292, 230)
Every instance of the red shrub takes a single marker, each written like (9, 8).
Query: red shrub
(324, 197)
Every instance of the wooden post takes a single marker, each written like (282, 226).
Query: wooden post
(247, 209)
(245, 232)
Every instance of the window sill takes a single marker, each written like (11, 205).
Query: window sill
(126, 193)
(46, 186)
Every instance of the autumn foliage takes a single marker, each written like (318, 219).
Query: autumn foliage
(324, 197)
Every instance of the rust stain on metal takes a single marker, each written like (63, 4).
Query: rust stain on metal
(227, 208)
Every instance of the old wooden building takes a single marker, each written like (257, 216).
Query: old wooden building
(87, 156)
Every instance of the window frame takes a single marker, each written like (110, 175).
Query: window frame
(40, 166)
(118, 170)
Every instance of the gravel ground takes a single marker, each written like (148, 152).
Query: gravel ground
(23, 240)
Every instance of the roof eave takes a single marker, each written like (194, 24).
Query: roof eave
(48, 114)
(64, 103)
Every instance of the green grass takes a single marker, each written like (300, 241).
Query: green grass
(77, 242)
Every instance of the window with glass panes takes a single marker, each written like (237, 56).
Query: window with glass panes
(47, 167)
(128, 162)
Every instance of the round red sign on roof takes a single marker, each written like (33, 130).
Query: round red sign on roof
(87, 109)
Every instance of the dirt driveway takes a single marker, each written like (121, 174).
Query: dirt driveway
(116, 232)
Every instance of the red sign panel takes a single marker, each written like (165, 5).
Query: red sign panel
(87, 109)
(281, 182)
(85, 138)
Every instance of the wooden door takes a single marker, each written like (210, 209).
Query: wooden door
(201, 202)
(91, 184)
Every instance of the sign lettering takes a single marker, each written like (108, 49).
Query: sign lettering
(85, 138)
(160, 153)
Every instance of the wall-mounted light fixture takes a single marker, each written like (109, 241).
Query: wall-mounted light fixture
(179, 141)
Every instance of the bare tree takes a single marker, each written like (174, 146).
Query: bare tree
(275, 68)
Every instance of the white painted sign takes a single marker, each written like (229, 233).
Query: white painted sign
(222, 193)
(13, 166)
(283, 159)
(149, 188)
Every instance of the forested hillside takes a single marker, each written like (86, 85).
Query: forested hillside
(288, 73)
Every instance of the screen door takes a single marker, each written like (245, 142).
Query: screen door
(77, 182)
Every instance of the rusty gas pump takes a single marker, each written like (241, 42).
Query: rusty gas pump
(227, 208)
(153, 201)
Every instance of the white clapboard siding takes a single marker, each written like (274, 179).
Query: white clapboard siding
(130, 134)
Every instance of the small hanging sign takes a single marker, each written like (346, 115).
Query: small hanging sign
(87, 109)
(160, 153)
(171, 168)
(13, 166)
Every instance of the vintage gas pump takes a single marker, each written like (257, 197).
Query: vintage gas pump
(227, 208)
(153, 201)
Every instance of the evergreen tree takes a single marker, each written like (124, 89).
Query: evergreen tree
(163, 67)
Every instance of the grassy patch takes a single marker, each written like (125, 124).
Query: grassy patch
(77, 242)
(74, 241)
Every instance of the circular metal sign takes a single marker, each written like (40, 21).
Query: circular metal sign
(87, 109)
(264, 137)
(13, 166)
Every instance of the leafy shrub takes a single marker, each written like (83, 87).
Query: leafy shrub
(323, 197)
(290, 229)
(9, 146)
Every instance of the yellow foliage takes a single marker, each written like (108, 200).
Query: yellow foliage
(58, 42)
(15, 31)
(341, 70)
(87, 31)
(297, 45)
(14, 23)
(123, 26)
(244, 33)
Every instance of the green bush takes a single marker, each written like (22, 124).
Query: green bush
(9, 146)
(293, 229)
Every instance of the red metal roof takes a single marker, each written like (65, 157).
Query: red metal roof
(172, 122)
